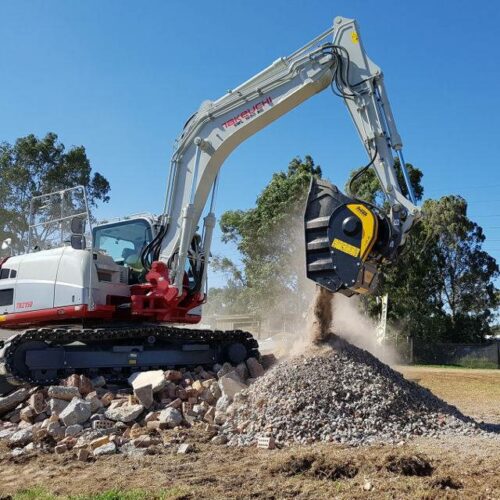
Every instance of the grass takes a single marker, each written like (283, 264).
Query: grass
(476, 392)
(114, 494)
(467, 364)
(479, 363)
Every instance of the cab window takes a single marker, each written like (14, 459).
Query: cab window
(124, 241)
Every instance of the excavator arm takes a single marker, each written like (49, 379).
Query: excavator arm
(341, 232)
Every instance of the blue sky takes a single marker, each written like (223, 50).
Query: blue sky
(121, 78)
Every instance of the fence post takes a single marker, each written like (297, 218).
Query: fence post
(498, 355)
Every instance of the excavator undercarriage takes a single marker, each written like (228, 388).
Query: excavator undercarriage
(43, 356)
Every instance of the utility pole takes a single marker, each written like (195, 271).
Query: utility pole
(382, 325)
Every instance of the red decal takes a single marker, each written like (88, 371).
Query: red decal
(248, 113)
(24, 305)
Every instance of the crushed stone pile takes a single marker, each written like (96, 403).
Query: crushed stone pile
(343, 395)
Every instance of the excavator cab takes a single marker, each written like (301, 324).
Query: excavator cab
(124, 240)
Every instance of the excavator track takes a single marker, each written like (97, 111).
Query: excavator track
(42, 356)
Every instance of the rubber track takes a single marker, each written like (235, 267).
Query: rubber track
(133, 334)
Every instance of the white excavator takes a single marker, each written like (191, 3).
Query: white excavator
(109, 306)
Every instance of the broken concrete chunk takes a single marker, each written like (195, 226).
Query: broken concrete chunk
(151, 416)
(242, 371)
(95, 402)
(105, 449)
(215, 390)
(73, 430)
(255, 368)
(155, 378)
(144, 395)
(209, 415)
(173, 375)
(7, 433)
(185, 448)
(77, 412)
(27, 414)
(9, 402)
(17, 452)
(22, 437)
(82, 454)
(107, 398)
(171, 417)
(56, 430)
(60, 449)
(230, 387)
(37, 402)
(220, 439)
(125, 413)
(225, 368)
(63, 392)
(57, 406)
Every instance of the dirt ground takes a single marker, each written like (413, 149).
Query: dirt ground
(475, 392)
(423, 468)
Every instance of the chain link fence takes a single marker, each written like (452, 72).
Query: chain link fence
(486, 355)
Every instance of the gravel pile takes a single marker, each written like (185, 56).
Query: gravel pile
(345, 395)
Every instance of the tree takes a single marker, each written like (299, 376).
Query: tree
(34, 166)
(442, 288)
(270, 240)
(366, 185)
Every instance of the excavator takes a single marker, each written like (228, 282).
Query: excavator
(111, 306)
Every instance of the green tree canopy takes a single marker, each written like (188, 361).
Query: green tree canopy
(366, 185)
(269, 239)
(33, 166)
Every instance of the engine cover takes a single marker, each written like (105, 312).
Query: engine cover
(340, 236)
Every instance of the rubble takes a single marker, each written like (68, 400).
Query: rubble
(144, 395)
(57, 406)
(21, 438)
(86, 418)
(37, 403)
(9, 402)
(63, 392)
(185, 448)
(105, 449)
(230, 384)
(124, 413)
(155, 378)
(77, 412)
(341, 394)
(255, 368)
(171, 417)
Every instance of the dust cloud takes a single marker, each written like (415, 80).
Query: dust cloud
(320, 327)
(305, 319)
